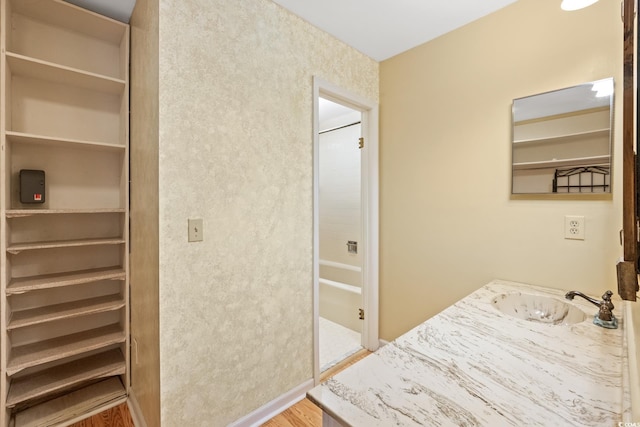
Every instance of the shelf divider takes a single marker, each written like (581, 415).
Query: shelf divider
(19, 213)
(39, 353)
(43, 70)
(57, 378)
(68, 310)
(47, 281)
(30, 138)
(73, 405)
(16, 248)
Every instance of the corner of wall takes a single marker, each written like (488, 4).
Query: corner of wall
(144, 259)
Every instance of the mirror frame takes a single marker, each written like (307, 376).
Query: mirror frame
(554, 126)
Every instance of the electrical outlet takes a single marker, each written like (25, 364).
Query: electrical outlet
(195, 230)
(574, 227)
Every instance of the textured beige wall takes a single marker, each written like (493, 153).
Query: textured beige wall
(145, 362)
(448, 223)
(236, 150)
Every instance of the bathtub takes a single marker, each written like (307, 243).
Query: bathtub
(341, 294)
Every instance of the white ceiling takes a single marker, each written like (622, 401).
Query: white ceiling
(384, 28)
(329, 110)
(378, 28)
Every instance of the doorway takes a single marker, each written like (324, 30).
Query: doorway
(340, 234)
(345, 225)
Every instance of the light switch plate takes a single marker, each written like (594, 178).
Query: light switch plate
(195, 230)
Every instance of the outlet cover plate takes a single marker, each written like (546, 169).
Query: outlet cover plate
(574, 227)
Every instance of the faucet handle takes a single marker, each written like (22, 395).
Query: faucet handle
(606, 299)
(604, 313)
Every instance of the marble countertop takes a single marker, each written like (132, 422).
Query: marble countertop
(472, 365)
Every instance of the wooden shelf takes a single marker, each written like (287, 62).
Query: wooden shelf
(27, 356)
(36, 316)
(20, 213)
(33, 283)
(73, 406)
(550, 164)
(16, 248)
(555, 139)
(65, 376)
(27, 138)
(21, 65)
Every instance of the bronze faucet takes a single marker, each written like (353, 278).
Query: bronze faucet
(605, 307)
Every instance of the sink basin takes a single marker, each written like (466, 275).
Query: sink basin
(539, 309)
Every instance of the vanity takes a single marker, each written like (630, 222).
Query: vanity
(507, 354)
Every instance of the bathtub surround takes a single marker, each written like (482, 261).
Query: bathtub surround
(475, 365)
(234, 108)
(340, 302)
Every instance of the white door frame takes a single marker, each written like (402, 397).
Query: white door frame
(369, 167)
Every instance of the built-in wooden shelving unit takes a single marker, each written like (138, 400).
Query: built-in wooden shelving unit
(64, 311)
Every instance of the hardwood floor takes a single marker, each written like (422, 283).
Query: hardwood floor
(302, 414)
(118, 416)
(305, 413)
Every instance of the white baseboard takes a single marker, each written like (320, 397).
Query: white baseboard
(273, 408)
(383, 342)
(134, 409)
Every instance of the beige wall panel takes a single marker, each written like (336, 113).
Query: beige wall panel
(236, 151)
(448, 223)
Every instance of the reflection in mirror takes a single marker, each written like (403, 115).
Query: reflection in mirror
(562, 140)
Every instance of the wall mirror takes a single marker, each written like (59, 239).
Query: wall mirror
(562, 140)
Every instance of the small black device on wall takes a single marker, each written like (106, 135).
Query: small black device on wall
(31, 186)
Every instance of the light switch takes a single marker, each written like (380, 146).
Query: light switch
(195, 230)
